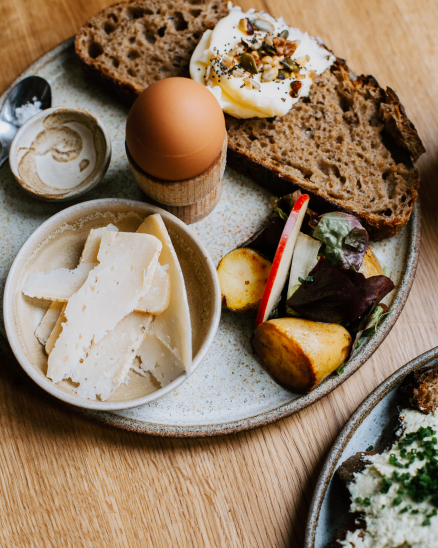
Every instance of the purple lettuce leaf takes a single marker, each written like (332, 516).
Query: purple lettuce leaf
(266, 240)
(336, 295)
(345, 239)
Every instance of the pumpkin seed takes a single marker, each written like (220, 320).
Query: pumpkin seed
(269, 75)
(248, 63)
(284, 34)
(263, 25)
(269, 49)
(291, 65)
(283, 74)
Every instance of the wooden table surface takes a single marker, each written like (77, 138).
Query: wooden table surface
(67, 481)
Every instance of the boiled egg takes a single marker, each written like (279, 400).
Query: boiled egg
(175, 129)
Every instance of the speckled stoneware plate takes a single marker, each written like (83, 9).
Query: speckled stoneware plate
(231, 390)
(329, 509)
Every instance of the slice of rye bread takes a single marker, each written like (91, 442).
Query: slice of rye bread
(349, 144)
(419, 391)
(131, 45)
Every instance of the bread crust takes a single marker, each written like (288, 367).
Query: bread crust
(97, 43)
(280, 180)
(419, 390)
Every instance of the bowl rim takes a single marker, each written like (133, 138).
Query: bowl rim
(39, 235)
(75, 191)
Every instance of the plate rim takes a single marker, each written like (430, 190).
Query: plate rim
(285, 410)
(331, 462)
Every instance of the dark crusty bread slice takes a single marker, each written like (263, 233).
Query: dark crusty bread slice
(419, 390)
(349, 145)
(134, 44)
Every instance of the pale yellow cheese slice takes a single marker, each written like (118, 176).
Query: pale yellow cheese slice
(91, 247)
(89, 254)
(57, 285)
(173, 326)
(157, 358)
(107, 363)
(45, 328)
(127, 264)
(56, 331)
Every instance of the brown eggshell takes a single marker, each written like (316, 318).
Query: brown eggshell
(175, 129)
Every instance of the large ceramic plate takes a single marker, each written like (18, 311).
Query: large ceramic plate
(231, 390)
(329, 509)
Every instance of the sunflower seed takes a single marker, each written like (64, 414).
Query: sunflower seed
(269, 75)
(265, 26)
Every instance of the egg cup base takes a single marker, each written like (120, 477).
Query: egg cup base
(190, 200)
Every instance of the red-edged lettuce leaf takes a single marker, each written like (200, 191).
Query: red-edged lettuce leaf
(337, 295)
(345, 239)
(266, 240)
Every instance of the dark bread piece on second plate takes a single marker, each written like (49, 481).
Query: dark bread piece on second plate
(132, 44)
(349, 145)
(419, 390)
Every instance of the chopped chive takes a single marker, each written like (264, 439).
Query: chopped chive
(397, 501)
(369, 448)
(367, 502)
(357, 500)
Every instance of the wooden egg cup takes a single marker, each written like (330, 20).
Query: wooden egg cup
(190, 200)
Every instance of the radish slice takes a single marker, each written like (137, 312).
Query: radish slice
(282, 260)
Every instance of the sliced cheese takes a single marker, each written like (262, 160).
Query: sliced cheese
(173, 326)
(111, 292)
(157, 298)
(107, 363)
(56, 331)
(57, 285)
(157, 358)
(89, 254)
(91, 247)
(43, 331)
(61, 284)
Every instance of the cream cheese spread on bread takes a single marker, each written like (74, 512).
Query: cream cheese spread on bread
(256, 65)
(397, 492)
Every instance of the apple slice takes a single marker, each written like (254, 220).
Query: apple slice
(282, 260)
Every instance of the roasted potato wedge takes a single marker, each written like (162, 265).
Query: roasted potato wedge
(300, 353)
(370, 265)
(243, 274)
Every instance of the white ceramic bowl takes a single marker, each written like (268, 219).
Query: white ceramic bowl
(60, 153)
(57, 243)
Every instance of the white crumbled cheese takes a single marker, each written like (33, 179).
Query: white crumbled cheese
(25, 112)
(57, 285)
(111, 292)
(246, 95)
(173, 326)
(107, 363)
(401, 523)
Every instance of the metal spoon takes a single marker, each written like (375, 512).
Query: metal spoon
(26, 91)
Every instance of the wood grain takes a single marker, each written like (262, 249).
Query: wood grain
(67, 481)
